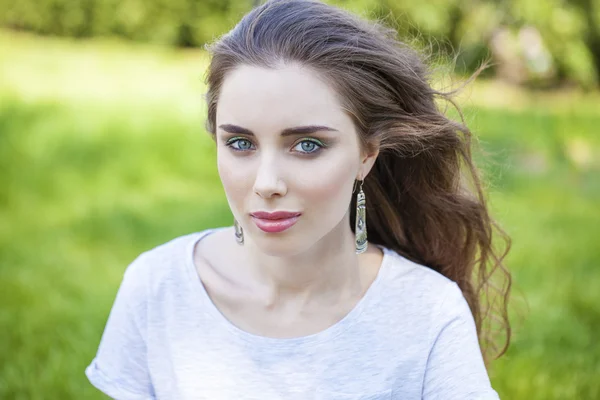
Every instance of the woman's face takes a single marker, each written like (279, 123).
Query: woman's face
(285, 144)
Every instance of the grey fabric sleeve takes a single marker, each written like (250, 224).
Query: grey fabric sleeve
(120, 367)
(455, 367)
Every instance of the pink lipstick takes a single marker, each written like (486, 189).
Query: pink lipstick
(274, 222)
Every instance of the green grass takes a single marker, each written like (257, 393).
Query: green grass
(103, 155)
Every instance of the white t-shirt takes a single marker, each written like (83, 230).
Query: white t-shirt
(412, 336)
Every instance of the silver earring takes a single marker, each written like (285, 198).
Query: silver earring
(239, 232)
(360, 227)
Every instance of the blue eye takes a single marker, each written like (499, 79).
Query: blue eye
(309, 146)
(239, 144)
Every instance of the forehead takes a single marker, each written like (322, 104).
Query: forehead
(278, 97)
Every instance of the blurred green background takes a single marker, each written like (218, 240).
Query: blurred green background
(103, 155)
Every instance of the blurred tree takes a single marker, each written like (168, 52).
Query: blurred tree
(591, 12)
(565, 34)
(175, 22)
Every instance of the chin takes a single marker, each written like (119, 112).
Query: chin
(282, 244)
(276, 245)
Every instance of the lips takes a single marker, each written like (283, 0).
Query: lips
(274, 222)
(274, 215)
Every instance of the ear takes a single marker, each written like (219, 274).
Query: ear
(367, 161)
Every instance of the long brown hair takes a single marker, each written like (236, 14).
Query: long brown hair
(425, 196)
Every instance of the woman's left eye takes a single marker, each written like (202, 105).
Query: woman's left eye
(308, 146)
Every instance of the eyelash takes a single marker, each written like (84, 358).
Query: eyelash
(320, 145)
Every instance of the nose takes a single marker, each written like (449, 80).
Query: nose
(268, 182)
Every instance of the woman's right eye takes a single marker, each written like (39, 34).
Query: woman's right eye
(239, 144)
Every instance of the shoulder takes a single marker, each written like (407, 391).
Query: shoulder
(416, 279)
(425, 295)
(163, 264)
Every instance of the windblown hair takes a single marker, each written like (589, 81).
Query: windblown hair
(425, 196)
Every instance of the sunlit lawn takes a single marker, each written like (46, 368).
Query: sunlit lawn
(103, 155)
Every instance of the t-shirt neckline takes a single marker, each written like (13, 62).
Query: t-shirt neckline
(328, 333)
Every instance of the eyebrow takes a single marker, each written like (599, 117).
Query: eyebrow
(298, 130)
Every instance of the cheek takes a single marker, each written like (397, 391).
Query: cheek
(234, 177)
(330, 186)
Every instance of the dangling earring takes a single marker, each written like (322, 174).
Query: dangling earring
(360, 227)
(239, 232)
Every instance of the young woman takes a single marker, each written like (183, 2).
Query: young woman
(358, 255)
